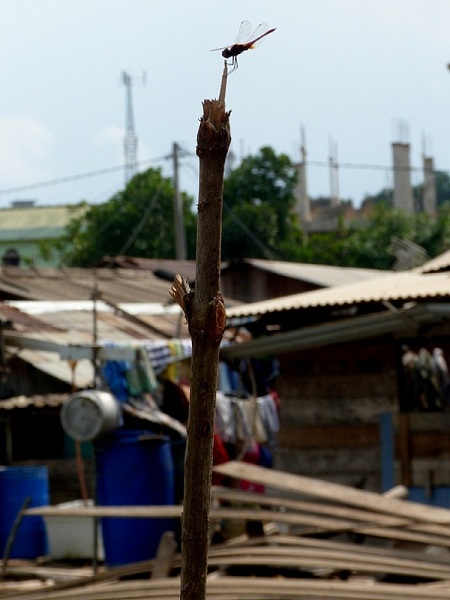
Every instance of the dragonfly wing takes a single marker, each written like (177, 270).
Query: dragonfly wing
(244, 33)
(257, 33)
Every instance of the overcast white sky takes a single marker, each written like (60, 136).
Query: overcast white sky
(349, 69)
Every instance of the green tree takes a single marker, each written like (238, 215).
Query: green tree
(324, 248)
(258, 200)
(138, 221)
(369, 244)
(436, 237)
(442, 188)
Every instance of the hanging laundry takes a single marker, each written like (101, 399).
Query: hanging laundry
(440, 370)
(268, 411)
(114, 373)
(145, 371)
(428, 387)
(225, 422)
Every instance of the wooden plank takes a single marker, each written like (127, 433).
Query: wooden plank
(280, 545)
(85, 580)
(329, 436)
(323, 508)
(336, 557)
(429, 444)
(378, 524)
(250, 514)
(385, 551)
(126, 512)
(164, 556)
(435, 422)
(315, 561)
(254, 588)
(333, 492)
(306, 520)
(390, 529)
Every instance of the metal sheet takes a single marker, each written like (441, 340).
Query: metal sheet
(346, 330)
(392, 287)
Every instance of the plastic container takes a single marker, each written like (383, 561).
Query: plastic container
(16, 485)
(134, 468)
(73, 537)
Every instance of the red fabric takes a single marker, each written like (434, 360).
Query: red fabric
(251, 456)
(220, 455)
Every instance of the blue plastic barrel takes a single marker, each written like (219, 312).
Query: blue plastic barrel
(16, 485)
(134, 468)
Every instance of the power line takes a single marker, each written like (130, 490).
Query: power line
(115, 169)
(264, 247)
(141, 223)
(78, 177)
(368, 167)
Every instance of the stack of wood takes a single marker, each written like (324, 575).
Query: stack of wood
(303, 538)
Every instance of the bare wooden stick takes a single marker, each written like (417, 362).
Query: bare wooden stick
(205, 313)
(223, 85)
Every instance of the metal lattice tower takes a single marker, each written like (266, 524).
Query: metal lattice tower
(130, 141)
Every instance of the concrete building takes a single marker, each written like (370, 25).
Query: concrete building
(27, 230)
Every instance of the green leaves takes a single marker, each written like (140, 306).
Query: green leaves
(137, 221)
(258, 203)
(258, 222)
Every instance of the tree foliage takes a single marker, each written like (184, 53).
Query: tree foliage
(258, 221)
(368, 243)
(138, 221)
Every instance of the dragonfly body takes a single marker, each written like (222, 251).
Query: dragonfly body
(237, 49)
(241, 44)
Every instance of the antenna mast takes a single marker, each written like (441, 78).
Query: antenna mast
(130, 141)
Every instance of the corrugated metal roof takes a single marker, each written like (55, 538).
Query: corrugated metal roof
(51, 364)
(39, 401)
(113, 285)
(73, 321)
(439, 263)
(167, 266)
(323, 275)
(390, 287)
(60, 324)
(405, 320)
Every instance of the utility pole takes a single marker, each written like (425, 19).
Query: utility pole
(130, 141)
(180, 233)
(302, 204)
(334, 174)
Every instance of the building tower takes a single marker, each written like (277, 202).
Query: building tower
(334, 173)
(403, 195)
(302, 203)
(130, 141)
(429, 200)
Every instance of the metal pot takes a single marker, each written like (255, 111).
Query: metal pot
(89, 414)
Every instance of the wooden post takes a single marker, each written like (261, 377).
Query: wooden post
(205, 313)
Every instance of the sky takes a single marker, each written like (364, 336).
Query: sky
(354, 75)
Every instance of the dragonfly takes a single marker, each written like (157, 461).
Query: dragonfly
(246, 40)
